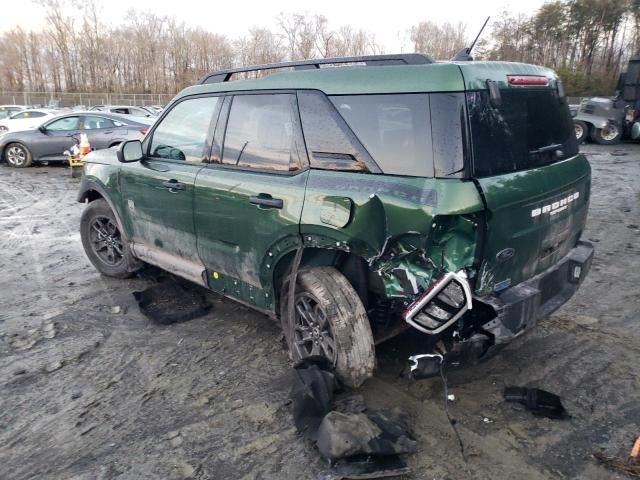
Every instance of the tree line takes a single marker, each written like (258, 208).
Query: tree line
(587, 41)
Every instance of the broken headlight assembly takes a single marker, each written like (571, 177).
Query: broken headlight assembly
(441, 304)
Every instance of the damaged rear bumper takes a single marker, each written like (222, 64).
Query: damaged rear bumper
(520, 307)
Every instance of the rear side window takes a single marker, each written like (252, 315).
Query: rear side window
(395, 129)
(529, 129)
(182, 133)
(92, 122)
(330, 142)
(448, 131)
(262, 132)
(28, 115)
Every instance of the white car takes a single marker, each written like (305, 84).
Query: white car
(26, 120)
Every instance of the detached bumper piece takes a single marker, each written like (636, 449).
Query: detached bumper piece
(441, 304)
(520, 307)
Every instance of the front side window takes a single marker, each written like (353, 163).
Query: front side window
(65, 124)
(94, 122)
(530, 128)
(395, 129)
(183, 132)
(262, 133)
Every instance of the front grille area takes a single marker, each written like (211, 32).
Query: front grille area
(439, 306)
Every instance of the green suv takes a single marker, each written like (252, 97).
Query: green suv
(352, 198)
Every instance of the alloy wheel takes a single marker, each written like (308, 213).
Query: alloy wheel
(16, 155)
(579, 130)
(106, 241)
(312, 332)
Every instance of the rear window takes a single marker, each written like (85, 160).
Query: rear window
(530, 128)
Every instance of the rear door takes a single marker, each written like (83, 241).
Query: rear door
(159, 190)
(250, 198)
(99, 130)
(535, 183)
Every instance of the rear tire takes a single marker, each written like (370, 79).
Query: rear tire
(609, 135)
(329, 321)
(581, 129)
(104, 243)
(17, 155)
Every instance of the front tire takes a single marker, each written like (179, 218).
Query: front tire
(104, 243)
(17, 155)
(581, 129)
(609, 135)
(330, 321)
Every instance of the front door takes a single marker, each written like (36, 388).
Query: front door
(158, 191)
(56, 137)
(249, 200)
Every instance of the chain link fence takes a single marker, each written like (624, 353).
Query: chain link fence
(70, 100)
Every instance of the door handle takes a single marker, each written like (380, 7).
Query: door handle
(265, 200)
(173, 185)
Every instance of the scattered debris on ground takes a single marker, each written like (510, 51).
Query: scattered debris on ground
(540, 402)
(99, 394)
(170, 301)
(352, 441)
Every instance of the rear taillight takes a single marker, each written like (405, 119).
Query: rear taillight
(144, 130)
(448, 298)
(527, 80)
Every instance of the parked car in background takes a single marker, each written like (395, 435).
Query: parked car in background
(157, 109)
(48, 142)
(26, 120)
(125, 110)
(8, 110)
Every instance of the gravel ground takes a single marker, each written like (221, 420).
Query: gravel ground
(90, 389)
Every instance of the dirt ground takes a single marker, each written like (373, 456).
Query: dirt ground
(90, 389)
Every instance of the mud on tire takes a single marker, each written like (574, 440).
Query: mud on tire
(104, 243)
(344, 318)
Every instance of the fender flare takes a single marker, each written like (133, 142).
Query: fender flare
(88, 185)
(597, 122)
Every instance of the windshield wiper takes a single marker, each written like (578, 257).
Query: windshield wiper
(547, 148)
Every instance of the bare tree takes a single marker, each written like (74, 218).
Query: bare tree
(441, 41)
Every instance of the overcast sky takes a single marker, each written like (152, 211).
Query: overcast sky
(233, 18)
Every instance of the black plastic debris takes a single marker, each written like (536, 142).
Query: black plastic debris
(425, 365)
(373, 433)
(540, 402)
(359, 443)
(366, 467)
(169, 302)
(312, 394)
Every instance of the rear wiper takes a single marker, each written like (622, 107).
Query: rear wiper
(547, 148)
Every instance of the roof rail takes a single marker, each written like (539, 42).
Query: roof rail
(369, 60)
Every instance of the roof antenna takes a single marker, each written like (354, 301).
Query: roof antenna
(464, 55)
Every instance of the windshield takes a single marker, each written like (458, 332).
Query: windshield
(529, 129)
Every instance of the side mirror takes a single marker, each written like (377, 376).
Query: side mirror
(42, 128)
(130, 151)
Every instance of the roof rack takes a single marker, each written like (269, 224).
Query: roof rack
(369, 60)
